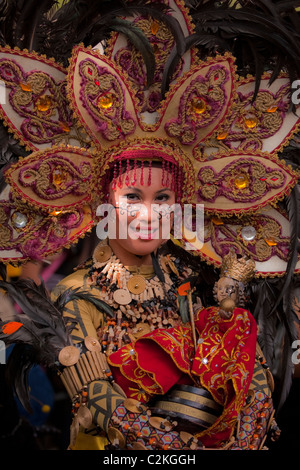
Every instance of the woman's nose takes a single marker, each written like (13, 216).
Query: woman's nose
(147, 212)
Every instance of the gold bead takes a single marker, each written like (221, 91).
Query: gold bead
(46, 409)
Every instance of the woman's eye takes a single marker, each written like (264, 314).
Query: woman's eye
(132, 197)
(163, 197)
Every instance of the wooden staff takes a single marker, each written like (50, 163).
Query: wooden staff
(191, 311)
(185, 289)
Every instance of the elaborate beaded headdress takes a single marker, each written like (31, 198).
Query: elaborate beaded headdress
(217, 133)
(240, 269)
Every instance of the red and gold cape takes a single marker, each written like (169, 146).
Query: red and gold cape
(223, 364)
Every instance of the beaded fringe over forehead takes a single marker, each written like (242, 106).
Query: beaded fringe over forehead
(172, 175)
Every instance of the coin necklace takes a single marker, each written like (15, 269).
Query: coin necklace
(140, 304)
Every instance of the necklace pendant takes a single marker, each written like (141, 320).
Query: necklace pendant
(102, 253)
(136, 284)
(122, 296)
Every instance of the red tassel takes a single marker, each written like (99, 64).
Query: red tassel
(142, 173)
(149, 173)
(127, 173)
(11, 327)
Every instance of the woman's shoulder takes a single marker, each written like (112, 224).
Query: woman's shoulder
(78, 279)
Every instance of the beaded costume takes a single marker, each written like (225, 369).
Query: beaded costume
(168, 87)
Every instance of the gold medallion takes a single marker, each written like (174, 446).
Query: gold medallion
(160, 423)
(138, 446)
(92, 344)
(69, 355)
(134, 406)
(84, 417)
(186, 436)
(136, 284)
(122, 296)
(116, 437)
(102, 253)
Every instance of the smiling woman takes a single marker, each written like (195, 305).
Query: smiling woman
(146, 337)
(147, 119)
(138, 210)
(134, 273)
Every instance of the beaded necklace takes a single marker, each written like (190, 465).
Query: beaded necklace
(141, 303)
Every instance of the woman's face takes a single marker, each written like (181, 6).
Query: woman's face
(143, 213)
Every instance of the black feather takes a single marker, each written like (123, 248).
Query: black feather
(31, 20)
(157, 268)
(19, 363)
(208, 41)
(293, 206)
(42, 333)
(260, 34)
(138, 39)
(77, 294)
(90, 23)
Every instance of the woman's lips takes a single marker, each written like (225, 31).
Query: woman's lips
(146, 233)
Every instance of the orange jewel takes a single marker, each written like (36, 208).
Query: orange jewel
(222, 136)
(25, 86)
(106, 101)
(251, 121)
(58, 177)
(272, 108)
(64, 126)
(55, 213)
(198, 105)
(241, 181)
(154, 27)
(217, 221)
(44, 103)
(270, 242)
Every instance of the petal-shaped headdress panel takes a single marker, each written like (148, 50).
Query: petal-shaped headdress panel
(263, 236)
(243, 181)
(33, 101)
(46, 205)
(27, 233)
(263, 122)
(163, 42)
(102, 100)
(55, 179)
